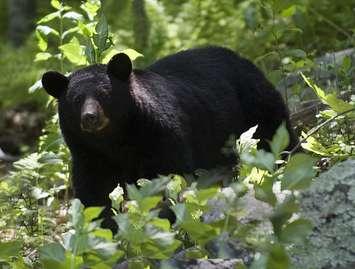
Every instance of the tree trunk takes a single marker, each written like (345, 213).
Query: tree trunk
(21, 14)
(141, 25)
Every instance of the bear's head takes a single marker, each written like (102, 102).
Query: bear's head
(93, 96)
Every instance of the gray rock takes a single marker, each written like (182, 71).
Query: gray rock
(330, 205)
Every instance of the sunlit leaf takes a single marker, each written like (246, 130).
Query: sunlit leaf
(74, 52)
(42, 56)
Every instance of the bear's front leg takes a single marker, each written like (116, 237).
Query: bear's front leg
(93, 179)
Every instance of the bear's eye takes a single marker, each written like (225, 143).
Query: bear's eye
(77, 99)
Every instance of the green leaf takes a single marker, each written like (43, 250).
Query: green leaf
(163, 224)
(74, 52)
(346, 64)
(9, 249)
(91, 8)
(72, 15)
(199, 231)
(148, 203)
(42, 56)
(101, 36)
(49, 17)
(133, 192)
(299, 172)
(298, 53)
(331, 100)
(290, 11)
(56, 4)
(91, 213)
(41, 41)
(103, 233)
(282, 213)
(52, 252)
(280, 140)
(296, 231)
(264, 192)
(277, 258)
(260, 159)
(313, 145)
(76, 214)
(205, 194)
(175, 186)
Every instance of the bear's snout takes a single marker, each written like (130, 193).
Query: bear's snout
(93, 118)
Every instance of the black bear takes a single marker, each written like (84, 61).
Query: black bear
(172, 117)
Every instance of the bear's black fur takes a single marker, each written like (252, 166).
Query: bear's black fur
(172, 117)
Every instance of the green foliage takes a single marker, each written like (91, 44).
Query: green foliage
(337, 138)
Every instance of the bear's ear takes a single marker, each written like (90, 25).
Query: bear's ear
(120, 66)
(54, 83)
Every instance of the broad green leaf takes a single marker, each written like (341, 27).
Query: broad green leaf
(9, 249)
(42, 56)
(85, 29)
(91, 7)
(75, 29)
(41, 41)
(280, 140)
(296, 231)
(52, 252)
(264, 192)
(76, 214)
(346, 64)
(91, 213)
(278, 258)
(290, 11)
(298, 53)
(74, 52)
(163, 224)
(261, 159)
(149, 203)
(133, 192)
(282, 213)
(199, 231)
(205, 194)
(72, 15)
(299, 172)
(56, 4)
(313, 145)
(101, 36)
(175, 186)
(331, 100)
(103, 233)
(49, 17)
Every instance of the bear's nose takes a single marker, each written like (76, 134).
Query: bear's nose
(89, 120)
